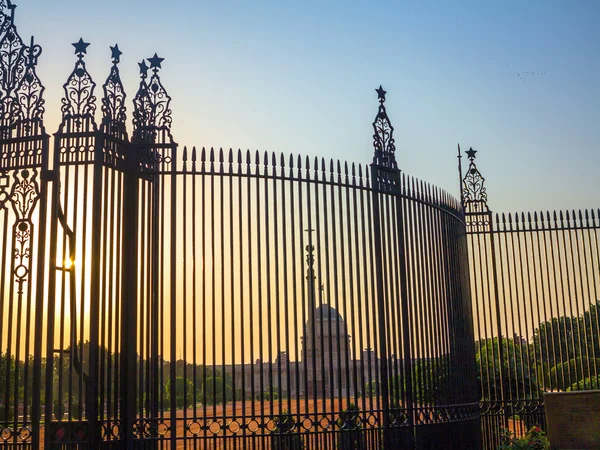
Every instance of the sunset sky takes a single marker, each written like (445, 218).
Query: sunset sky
(300, 78)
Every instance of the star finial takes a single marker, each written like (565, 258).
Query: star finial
(12, 8)
(143, 68)
(381, 94)
(155, 62)
(116, 54)
(471, 153)
(80, 47)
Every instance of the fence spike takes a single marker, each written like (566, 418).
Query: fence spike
(184, 156)
(282, 160)
(239, 157)
(291, 161)
(212, 155)
(194, 154)
(230, 156)
(257, 158)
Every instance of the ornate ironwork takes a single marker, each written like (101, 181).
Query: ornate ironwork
(151, 103)
(113, 102)
(23, 197)
(30, 91)
(12, 65)
(474, 194)
(79, 101)
(383, 138)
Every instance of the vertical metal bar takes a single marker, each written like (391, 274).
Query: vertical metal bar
(95, 299)
(41, 296)
(129, 310)
(377, 193)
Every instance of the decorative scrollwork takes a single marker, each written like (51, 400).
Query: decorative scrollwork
(151, 103)
(474, 194)
(12, 65)
(383, 138)
(24, 196)
(79, 100)
(24, 193)
(113, 102)
(30, 92)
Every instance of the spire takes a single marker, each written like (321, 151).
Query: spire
(152, 103)
(473, 192)
(29, 94)
(383, 138)
(79, 101)
(12, 65)
(113, 102)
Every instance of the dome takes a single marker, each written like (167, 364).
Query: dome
(326, 312)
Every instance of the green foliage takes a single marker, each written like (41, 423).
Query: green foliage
(267, 393)
(285, 436)
(570, 372)
(534, 439)
(6, 413)
(184, 390)
(562, 339)
(517, 378)
(351, 436)
(587, 384)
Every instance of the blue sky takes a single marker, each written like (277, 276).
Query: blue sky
(299, 77)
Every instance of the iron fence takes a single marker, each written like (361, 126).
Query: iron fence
(535, 287)
(192, 298)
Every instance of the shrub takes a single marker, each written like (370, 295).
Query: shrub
(572, 367)
(351, 436)
(534, 439)
(587, 384)
(285, 435)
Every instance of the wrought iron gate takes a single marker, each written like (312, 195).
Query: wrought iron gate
(157, 297)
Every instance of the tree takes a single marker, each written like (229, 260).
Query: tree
(519, 379)
(562, 339)
(184, 390)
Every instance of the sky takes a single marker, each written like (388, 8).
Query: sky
(300, 77)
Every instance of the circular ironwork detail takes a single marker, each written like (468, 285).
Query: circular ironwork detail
(307, 423)
(79, 433)
(234, 426)
(24, 433)
(271, 425)
(194, 427)
(253, 426)
(6, 434)
(60, 433)
(325, 423)
(162, 428)
(215, 427)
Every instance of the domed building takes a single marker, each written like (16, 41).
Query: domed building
(325, 344)
(326, 352)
